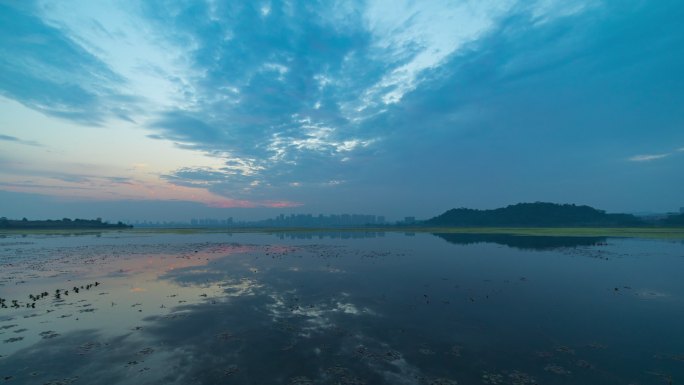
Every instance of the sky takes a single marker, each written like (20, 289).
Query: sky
(169, 110)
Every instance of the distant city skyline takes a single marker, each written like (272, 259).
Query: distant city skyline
(164, 110)
(282, 220)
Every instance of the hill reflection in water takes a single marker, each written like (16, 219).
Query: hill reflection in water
(523, 242)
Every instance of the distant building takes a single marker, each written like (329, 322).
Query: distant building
(681, 210)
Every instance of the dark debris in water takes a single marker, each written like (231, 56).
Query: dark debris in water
(377, 355)
(437, 381)
(557, 369)
(146, 351)
(232, 369)
(301, 380)
(63, 381)
(509, 378)
(88, 347)
(48, 334)
(343, 376)
(13, 339)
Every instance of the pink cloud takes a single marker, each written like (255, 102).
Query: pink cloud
(281, 204)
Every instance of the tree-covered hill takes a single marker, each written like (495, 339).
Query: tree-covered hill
(538, 214)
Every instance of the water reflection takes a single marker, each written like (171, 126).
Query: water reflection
(329, 234)
(387, 310)
(523, 242)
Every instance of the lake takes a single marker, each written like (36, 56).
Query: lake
(340, 308)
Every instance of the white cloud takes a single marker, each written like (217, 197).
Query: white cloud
(243, 166)
(153, 68)
(650, 157)
(280, 69)
(322, 81)
(265, 10)
(412, 37)
(415, 36)
(313, 137)
(240, 288)
(546, 10)
(647, 158)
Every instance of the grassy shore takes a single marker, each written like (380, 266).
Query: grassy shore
(628, 232)
(633, 232)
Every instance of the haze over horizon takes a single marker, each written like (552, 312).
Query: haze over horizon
(171, 110)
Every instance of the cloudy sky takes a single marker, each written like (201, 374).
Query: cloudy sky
(174, 109)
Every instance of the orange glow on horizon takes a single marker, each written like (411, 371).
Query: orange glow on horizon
(103, 189)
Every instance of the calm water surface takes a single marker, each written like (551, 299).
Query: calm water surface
(346, 308)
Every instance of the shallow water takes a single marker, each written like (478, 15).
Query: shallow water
(340, 308)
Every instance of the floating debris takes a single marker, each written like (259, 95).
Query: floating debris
(520, 378)
(301, 380)
(584, 364)
(596, 345)
(455, 351)
(48, 334)
(224, 336)
(232, 369)
(426, 351)
(88, 347)
(64, 381)
(556, 369)
(146, 351)
(438, 381)
(343, 376)
(565, 349)
(492, 378)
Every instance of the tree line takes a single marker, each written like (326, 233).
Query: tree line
(65, 223)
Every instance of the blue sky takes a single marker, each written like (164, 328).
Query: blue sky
(171, 109)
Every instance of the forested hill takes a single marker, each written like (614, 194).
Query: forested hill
(539, 214)
(59, 224)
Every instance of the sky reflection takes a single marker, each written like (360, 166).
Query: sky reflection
(208, 308)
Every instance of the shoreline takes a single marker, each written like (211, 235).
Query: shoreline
(620, 232)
